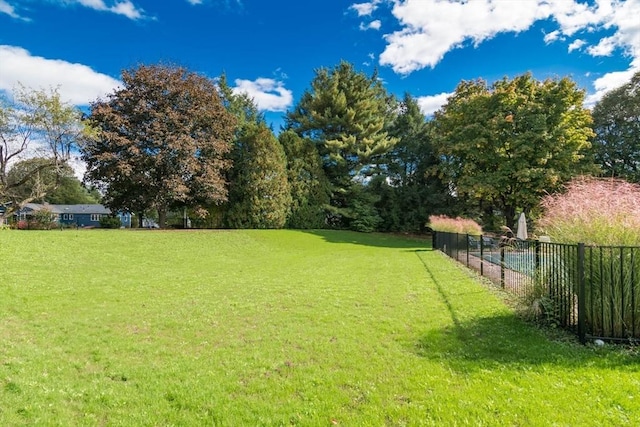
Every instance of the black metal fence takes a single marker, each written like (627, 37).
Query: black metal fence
(593, 291)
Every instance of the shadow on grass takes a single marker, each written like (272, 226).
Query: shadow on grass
(506, 339)
(383, 240)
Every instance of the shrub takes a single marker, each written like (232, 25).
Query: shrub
(595, 212)
(538, 306)
(454, 225)
(42, 219)
(110, 222)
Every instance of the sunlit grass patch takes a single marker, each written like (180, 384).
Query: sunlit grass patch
(279, 328)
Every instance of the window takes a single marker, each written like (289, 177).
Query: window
(95, 217)
(67, 216)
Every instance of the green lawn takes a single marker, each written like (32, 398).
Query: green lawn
(234, 328)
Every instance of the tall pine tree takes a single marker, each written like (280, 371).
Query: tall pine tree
(345, 114)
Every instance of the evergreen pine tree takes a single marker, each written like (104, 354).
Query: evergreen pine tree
(309, 186)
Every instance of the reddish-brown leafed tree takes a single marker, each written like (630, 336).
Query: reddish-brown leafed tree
(161, 142)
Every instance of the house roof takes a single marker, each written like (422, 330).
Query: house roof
(69, 209)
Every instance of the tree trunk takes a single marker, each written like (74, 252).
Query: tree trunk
(140, 218)
(162, 217)
(510, 217)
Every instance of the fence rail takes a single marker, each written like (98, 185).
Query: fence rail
(593, 291)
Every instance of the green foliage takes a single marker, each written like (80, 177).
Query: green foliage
(259, 196)
(308, 183)
(537, 305)
(259, 193)
(162, 142)
(36, 121)
(612, 291)
(361, 214)
(111, 221)
(506, 145)
(408, 191)
(345, 113)
(34, 180)
(617, 129)
(240, 105)
(42, 219)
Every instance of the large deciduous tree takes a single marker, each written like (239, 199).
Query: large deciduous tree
(616, 122)
(62, 185)
(36, 124)
(345, 114)
(162, 142)
(506, 145)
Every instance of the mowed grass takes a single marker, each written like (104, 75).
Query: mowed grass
(235, 328)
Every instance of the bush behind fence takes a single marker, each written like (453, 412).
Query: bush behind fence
(593, 291)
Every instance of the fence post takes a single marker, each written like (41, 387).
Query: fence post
(467, 246)
(502, 267)
(537, 256)
(582, 306)
(481, 255)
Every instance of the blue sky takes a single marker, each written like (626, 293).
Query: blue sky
(271, 49)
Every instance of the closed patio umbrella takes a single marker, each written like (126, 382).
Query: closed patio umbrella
(522, 228)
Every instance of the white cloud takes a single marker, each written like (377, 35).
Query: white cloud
(605, 47)
(268, 94)
(431, 28)
(227, 4)
(119, 7)
(574, 17)
(8, 9)
(553, 36)
(611, 81)
(77, 83)
(431, 104)
(576, 45)
(123, 7)
(373, 25)
(365, 9)
(127, 9)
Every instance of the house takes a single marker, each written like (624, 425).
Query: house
(3, 211)
(73, 215)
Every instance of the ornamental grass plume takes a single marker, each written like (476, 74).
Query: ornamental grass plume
(454, 225)
(594, 211)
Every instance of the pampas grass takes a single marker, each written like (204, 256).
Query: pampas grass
(604, 214)
(454, 225)
(595, 212)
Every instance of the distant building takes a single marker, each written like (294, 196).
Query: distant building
(73, 215)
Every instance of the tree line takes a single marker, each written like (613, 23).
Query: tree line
(350, 155)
